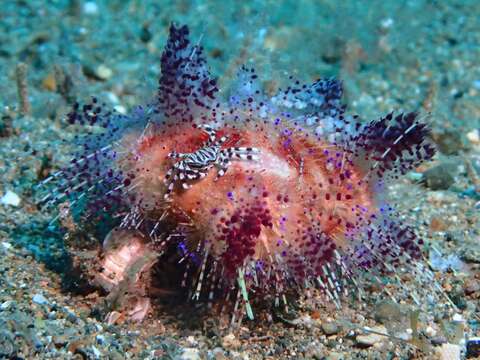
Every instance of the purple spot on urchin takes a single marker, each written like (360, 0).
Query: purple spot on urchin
(259, 265)
(182, 247)
(287, 143)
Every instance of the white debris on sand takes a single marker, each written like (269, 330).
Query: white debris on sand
(10, 198)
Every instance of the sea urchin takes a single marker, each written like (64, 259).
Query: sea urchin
(250, 195)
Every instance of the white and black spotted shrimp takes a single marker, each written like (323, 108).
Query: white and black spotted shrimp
(196, 165)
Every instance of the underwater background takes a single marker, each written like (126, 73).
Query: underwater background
(390, 56)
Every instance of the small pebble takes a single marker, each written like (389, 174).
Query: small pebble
(438, 340)
(387, 23)
(458, 317)
(6, 245)
(90, 8)
(100, 339)
(40, 299)
(191, 341)
(190, 354)
(71, 317)
(112, 97)
(441, 176)
(60, 340)
(103, 72)
(330, 328)
(52, 315)
(474, 136)
(430, 332)
(49, 83)
(371, 339)
(10, 198)
(415, 176)
(120, 109)
(7, 305)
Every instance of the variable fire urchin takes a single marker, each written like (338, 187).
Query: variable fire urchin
(251, 197)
